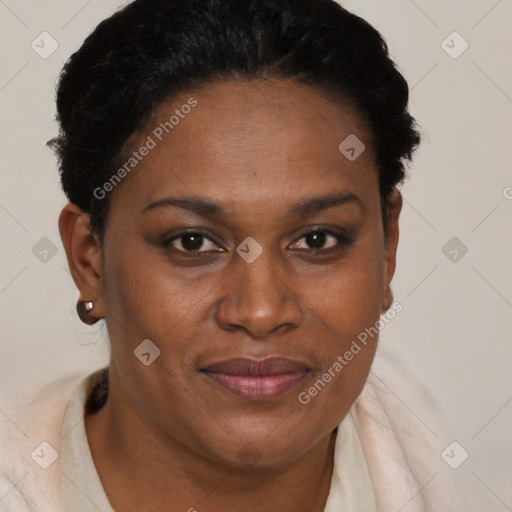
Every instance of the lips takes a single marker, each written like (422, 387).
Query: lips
(257, 368)
(257, 379)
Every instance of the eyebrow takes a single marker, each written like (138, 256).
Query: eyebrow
(306, 206)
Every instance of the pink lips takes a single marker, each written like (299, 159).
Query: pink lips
(257, 379)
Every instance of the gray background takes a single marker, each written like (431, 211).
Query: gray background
(455, 328)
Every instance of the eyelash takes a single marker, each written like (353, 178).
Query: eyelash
(342, 240)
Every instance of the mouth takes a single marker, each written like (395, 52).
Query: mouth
(262, 379)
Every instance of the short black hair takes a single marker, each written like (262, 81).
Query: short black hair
(152, 49)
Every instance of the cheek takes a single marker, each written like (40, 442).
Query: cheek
(143, 288)
(348, 297)
(349, 310)
(150, 299)
(346, 305)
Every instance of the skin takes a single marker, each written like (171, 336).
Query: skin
(168, 438)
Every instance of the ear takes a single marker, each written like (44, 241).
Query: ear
(391, 244)
(83, 251)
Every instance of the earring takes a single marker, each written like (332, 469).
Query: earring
(84, 308)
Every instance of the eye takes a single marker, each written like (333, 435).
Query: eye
(321, 240)
(192, 242)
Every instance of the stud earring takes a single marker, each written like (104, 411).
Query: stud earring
(84, 309)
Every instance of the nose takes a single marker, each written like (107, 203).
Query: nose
(259, 298)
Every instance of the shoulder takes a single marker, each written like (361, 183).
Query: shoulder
(30, 439)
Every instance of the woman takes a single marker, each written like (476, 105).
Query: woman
(232, 171)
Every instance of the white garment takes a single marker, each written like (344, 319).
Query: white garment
(351, 486)
(80, 482)
(380, 446)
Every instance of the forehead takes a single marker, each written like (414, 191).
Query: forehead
(249, 142)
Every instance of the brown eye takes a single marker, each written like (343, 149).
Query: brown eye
(321, 240)
(192, 242)
(316, 239)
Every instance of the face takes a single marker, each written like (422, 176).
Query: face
(250, 250)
